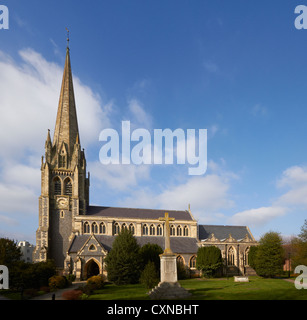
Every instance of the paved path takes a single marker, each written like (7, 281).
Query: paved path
(59, 292)
(304, 285)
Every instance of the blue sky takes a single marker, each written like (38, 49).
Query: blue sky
(235, 68)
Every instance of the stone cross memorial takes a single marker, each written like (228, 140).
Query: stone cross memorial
(168, 287)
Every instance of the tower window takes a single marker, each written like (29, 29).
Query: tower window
(67, 187)
(62, 161)
(57, 186)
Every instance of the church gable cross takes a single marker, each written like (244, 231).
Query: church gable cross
(167, 219)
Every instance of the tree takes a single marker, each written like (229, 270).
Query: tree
(209, 259)
(269, 257)
(299, 248)
(303, 234)
(9, 252)
(123, 260)
(151, 252)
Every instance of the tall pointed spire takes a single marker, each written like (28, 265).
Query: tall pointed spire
(66, 127)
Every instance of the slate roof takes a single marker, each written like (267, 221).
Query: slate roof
(136, 213)
(178, 244)
(222, 232)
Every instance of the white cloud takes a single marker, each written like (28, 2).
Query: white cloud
(295, 179)
(258, 216)
(259, 110)
(139, 116)
(208, 196)
(30, 92)
(119, 177)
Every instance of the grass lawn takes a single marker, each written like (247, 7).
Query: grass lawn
(213, 289)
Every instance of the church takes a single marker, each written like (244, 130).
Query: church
(78, 236)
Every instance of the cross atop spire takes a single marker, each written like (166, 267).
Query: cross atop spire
(67, 38)
(66, 127)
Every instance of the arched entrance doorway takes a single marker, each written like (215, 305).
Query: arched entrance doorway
(91, 268)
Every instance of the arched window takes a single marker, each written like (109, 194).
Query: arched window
(152, 230)
(67, 187)
(124, 226)
(116, 228)
(94, 227)
(86, 227)
(131, 228)
(179, 231)
(231, 257)
(180, 260)
(145, 230)
(193, 262)
(102, 228)
(57, 186)
(172, 230)
(186, 231)
(159, 230)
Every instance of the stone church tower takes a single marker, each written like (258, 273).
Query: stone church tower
(64, 185)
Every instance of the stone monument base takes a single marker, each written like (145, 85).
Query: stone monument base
(168, 290)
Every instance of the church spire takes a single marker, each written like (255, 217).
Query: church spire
(66, 127)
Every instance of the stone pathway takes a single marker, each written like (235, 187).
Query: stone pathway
(59, 292)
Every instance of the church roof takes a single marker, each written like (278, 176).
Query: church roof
(178, 244)
(137, 213)
(222, 232)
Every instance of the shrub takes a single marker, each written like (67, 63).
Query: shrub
(95, 282)
(182, 271)
(57, 282)
(209, 259)
(71, 277)
(149, 276)
(72, 295)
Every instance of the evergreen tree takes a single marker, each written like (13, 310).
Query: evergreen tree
(303, 234)
(269, 258)
(123, 260)
(209, 259)
(9, 252)
(151, 252)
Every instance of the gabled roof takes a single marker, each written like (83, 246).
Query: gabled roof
(178, 244)
(223, 232)
(134, 213)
